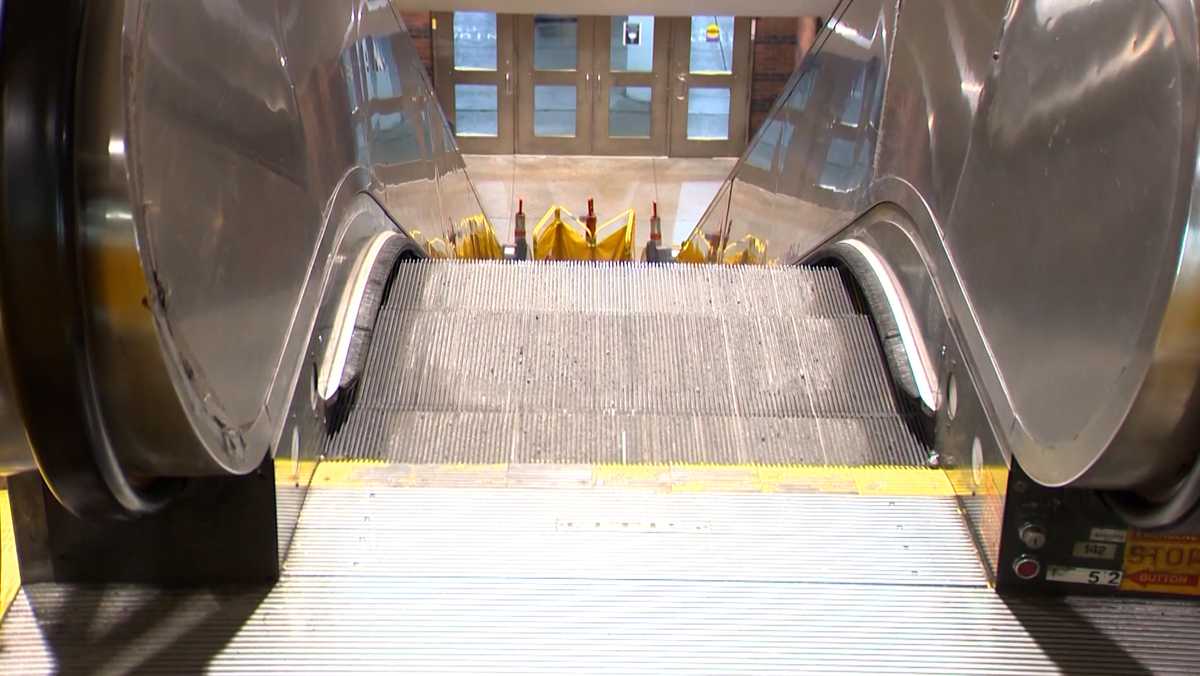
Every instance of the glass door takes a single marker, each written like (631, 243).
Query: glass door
(554, 95)
(613, 85)
(710, 93)
(473, 60)
(630, 104)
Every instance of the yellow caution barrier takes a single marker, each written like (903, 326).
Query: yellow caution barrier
(699, 249)
(702, 248)
(480, 241)
(748, 250)
(561, 236)
(476, 240)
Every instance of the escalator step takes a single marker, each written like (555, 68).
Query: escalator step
(452, 581)
(585, 363)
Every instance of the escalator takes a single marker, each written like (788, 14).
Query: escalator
(668, 469)
(251, 419)
(626, 364)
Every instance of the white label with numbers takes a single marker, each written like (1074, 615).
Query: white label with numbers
(1108, 534)
(1095, 550)
(1097, 576)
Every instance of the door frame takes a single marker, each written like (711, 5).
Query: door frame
(682, 80)
(582, 78)
(606, 79)
(446, 77)
(669, 80)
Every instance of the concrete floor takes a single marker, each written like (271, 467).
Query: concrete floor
(682, 187)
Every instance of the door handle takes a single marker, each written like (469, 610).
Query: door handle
(508, 83)
(680, 87)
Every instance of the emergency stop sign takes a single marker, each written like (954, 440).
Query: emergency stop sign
(1168, 564)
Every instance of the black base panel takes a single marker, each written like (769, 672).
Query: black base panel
(1087, 549)
(221, 530)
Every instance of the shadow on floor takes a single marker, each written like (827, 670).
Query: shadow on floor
(121, 629)
(1073, 641)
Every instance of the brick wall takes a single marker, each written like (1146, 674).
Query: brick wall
(420, 28)
(779, 45)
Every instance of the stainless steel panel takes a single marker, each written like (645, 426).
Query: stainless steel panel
(220, 149)
(253, 181)
(1041, 157)
(404, 129)
(805, 174)
(942, 56)
(1034, 290)
(1086, 167)
(137, 407)
(240, 192)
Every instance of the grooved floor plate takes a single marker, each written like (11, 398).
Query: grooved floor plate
(586, 363)
(552, 581)
(597, 534)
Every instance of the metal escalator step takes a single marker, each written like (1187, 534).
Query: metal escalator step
(554, 581)
(587, 437)
(540, 533)
(626, 287)
(758, 365)
(358, 624)
(511, 362)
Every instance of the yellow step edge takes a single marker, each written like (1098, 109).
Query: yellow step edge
(10, 574)
(684, 477)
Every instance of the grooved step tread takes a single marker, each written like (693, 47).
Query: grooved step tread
(410, 580)
(591, 363)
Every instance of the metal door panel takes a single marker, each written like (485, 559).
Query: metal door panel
(606, 79)
(529, 78)
(503, 79)
(682, 81)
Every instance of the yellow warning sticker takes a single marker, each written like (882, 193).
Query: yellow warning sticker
(1165, 564)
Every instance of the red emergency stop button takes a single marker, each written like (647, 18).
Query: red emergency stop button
(1026, 567)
